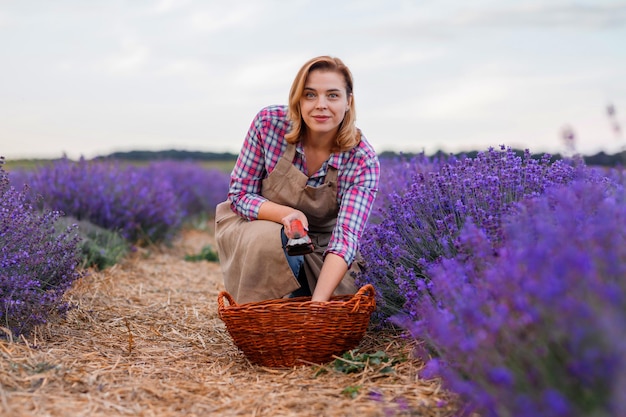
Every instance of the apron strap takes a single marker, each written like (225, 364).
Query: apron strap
(290, 152)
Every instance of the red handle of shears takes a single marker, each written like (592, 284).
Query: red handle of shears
(297, 229)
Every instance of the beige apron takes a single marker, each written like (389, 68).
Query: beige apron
(250, 252)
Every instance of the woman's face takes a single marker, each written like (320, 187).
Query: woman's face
(324, 101)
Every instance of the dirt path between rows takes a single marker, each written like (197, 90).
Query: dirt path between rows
(145, 340)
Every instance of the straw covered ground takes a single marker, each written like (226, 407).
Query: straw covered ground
(145, 339)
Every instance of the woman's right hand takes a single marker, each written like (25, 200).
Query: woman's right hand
(294, 215)
(282, 214)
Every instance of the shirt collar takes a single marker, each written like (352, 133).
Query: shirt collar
(335, 160)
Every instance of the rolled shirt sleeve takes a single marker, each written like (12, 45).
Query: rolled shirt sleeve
(259, 155)
(358, 187)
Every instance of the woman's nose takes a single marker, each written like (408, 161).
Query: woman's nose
(321, 102)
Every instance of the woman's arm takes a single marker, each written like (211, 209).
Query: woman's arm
(359, 183)
(354, 209)
(258, 156)
(282, 214)
(333, 271)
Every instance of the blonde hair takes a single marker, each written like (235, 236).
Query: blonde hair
(348, 135)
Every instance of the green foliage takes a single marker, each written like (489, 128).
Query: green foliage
(206, 254)
(103, 249)
(100, 248)
(199, 221)
(352, 391)
(353, 361)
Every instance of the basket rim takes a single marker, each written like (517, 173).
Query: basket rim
(367, 292)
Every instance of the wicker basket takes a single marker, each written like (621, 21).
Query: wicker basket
(290, 331)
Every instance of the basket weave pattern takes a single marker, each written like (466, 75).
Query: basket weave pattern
(290, 331)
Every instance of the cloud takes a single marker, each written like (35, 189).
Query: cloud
(167, 6)
(386, 57)
(183, 68)
(222, 16)
(4, 19)
(447, 20)
(130, 59)
(269, 71)
(539, 14)
(473, 96)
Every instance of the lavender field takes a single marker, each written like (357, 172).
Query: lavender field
(507, 269)
(60, 217)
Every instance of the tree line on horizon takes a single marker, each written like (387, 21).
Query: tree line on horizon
(598, 159)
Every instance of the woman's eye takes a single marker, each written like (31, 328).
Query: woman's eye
(309, 95)
(333, 95)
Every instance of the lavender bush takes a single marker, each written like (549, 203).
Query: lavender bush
(143, 203)
(110, 195)
(538, 326)
(398, 173)
(197, 189)
(37, 264)
(422, 224)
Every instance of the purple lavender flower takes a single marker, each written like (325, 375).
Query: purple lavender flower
(421, 223)
(535, 326)
(198, 189)
(397, 175)
(143, 203)
(37, 263)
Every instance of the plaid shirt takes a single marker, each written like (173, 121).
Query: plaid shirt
(357, 182)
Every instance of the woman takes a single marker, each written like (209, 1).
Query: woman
(309, 162)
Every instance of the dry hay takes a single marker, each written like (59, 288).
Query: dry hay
(145, 340)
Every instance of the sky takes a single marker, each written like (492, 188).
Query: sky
(87, 78)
